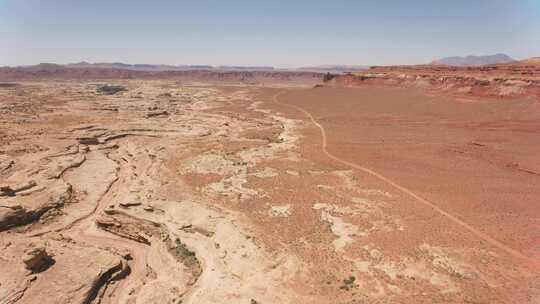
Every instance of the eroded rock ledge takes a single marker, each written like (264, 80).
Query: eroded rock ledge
(488, 81)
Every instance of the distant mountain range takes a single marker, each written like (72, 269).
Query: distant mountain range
(338, 69)
(474, 60)
(334, 68)
(137, 67)
(147, 71)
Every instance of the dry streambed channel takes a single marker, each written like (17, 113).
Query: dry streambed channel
(90, 212)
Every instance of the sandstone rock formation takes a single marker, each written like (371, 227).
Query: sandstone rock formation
(501, 81)
(35, 258)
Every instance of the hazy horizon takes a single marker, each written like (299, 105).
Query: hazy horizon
(279, 34)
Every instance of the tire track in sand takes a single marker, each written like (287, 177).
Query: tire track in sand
(483, 236)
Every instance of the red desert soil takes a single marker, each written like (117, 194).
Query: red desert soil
(477, 161)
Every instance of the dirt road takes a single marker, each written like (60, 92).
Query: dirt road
(432, 205)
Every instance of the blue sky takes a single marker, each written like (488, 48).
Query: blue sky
(279, 33)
